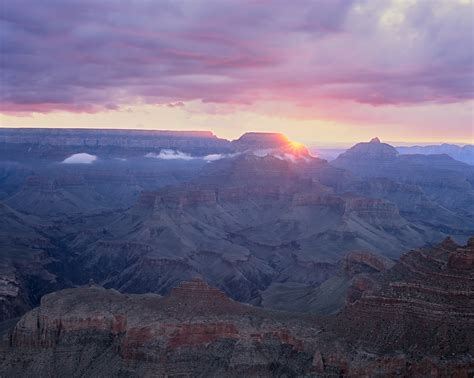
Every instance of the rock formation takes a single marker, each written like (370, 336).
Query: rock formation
(373, 150)
(260, 141)
(54, 142)
(424, 303)
(28, 265)
(416, 320)
(460, 153)
(443, 180)
(248, 222)
(355, 273)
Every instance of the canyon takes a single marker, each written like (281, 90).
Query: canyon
(107, 238)
(414, 318)
(264, 218)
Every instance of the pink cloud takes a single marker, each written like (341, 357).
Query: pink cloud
(86, 56)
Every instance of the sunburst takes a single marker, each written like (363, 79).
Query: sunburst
(297, 148)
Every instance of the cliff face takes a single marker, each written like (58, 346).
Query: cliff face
(244, 222)
(373, 150)
(354, 274)
(260, 141)
(58, 142)
(27, 266)
(271, 143)
(442, 179)
(53, 142)
(464, 154)
(425, 303)
(101, 137)
(195, 330)
(416, 319)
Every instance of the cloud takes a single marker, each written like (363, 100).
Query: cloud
(170, 155)
(279, 155)
(178, 155)
(80, 158)
(91, 55)
(263, 152)
(214, 157)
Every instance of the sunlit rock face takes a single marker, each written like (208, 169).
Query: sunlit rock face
(256, 141)
(275, 144)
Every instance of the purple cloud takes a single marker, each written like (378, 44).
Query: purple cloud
(85, 55)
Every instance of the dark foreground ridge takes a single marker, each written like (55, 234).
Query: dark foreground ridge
(416, 318)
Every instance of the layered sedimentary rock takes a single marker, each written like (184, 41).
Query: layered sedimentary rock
(260, 141)
(50, 143)
(373, 150)
(443, 180)
(464, 153)
(27, 266)
(41, 141)
(243, 222)
(45, 196)
(194, 330)
(275, 144)
(416, 319)
(354, 274)
(425, 303)
(57, 189)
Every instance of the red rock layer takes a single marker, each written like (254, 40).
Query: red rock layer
(425, 301)
(414, 319)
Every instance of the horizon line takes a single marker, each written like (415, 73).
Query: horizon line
(310, 143)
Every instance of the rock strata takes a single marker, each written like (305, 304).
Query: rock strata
(426, 300)
(416, 321)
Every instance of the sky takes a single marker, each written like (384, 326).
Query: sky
(327, 72)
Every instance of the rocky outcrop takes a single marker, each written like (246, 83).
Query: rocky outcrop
(196, 329)
(416, 321)
(55, 143)
(374, 211)
(186, 141)
(373, 150)
(260, 141)
(424, 303)
(442, 180)
(27, 266)
(345, 283)
(462, 259)
(245, 224)
(461, 153)
(274, 144)
(46, 196)
(357, 262)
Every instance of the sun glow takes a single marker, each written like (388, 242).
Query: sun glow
(297, 148)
